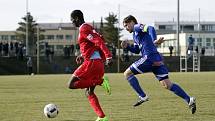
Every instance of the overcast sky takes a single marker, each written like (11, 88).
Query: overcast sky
(146, 11)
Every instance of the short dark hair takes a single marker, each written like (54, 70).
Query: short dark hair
(77, 13)
(129, 19)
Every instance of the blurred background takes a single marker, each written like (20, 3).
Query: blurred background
(37, 36)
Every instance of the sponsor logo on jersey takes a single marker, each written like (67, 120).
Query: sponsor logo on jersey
(90, 37)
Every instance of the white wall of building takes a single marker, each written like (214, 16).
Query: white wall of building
(207, 40)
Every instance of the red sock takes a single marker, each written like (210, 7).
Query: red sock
(94, 102)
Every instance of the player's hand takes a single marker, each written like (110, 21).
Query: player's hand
(159, 41)
(124, 44)
(109, 62)
(79, 59)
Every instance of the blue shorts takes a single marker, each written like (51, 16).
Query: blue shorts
(144, 65)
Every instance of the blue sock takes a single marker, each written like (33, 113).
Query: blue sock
(135, 85)
(180, 92)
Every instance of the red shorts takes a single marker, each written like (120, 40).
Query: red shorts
(90, 73)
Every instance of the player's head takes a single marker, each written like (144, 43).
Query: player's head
(77, 18)
(129, 23)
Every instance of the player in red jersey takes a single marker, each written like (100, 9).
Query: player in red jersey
(93, 55)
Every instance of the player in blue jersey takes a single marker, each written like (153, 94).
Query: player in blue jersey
(145, 41)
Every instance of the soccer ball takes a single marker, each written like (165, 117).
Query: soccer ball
(51, 110)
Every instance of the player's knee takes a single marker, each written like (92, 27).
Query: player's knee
(165, 86)
(166, 83)
(127, 73)
(88, 92)
(70, 84)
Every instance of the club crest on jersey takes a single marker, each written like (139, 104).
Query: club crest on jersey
(141, 27)
(90, 37)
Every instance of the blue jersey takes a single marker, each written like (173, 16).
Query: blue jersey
(144, 37)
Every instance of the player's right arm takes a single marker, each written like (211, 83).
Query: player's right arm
(134, 49)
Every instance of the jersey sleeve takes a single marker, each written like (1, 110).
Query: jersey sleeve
(152, 32)
(85, 31)
(144, 28)
(88, 33)
(134, 48)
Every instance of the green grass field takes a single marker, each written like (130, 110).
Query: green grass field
(22, 98)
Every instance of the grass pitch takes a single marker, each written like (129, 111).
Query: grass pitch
(22, 98)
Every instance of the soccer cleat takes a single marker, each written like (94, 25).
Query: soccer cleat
(106, 85)
(141, 100)
(192, 104)
(102, 119)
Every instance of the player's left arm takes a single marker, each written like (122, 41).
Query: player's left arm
(159, 41)
(134, 49)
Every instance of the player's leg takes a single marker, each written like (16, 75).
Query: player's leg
(83, 76)
(72, 82)
(175, 88)
(161, 73)
(106, 85)
(137, 67)
(94, 102)
(134, 82)
(166, 83)
(80, 83)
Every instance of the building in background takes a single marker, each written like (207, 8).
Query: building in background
(61, 35)
(203, 34)
(56, 35)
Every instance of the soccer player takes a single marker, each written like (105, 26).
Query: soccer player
(93, 55)
(145, 41)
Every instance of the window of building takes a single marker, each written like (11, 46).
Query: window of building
(169, 27)
(199, 41)
(163, 27)
(59, 37)
(188, 27)
(208, 42)
(207, 27)
(214, 42)
(168, 42)
(4, 37)
(165, 44)
(13, 37)
(68, 37)
(50, 37)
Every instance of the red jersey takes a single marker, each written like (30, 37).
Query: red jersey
(90, 41)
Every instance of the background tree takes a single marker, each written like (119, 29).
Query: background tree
(110, 30)
(32, 33)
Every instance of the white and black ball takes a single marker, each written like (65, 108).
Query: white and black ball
(51, 110)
